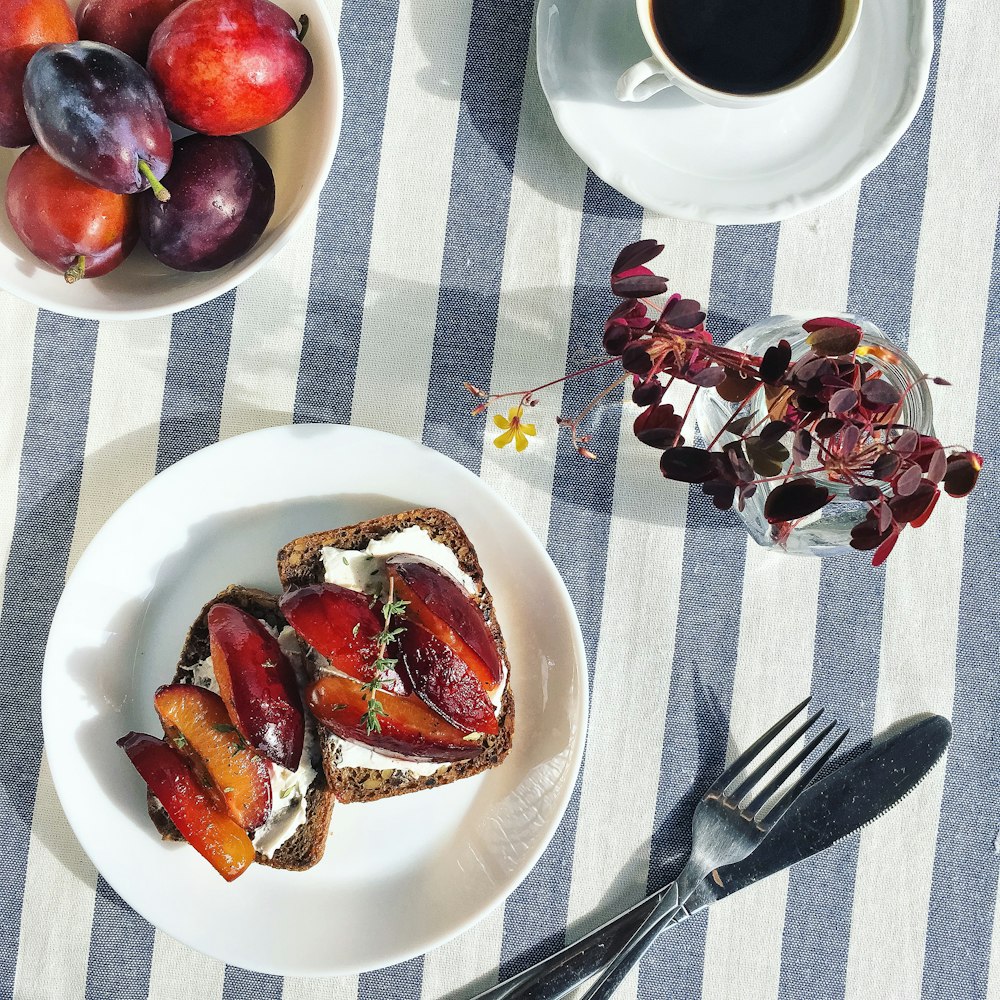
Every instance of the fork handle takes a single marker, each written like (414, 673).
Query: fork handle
(559, 974)
(669, 911)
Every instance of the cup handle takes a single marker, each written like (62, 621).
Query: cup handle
(641, 81)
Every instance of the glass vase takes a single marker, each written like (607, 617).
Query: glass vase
(828, 531)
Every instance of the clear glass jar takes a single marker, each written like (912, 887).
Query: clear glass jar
(828, 531)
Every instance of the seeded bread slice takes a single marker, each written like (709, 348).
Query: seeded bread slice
(307, 845)
(300, 563)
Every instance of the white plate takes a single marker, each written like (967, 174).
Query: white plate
(400, 876)
(684, 159)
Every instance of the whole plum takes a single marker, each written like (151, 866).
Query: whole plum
(81, 230)
(96, 111)
(25, 26)
(229, 66)
(222, 198)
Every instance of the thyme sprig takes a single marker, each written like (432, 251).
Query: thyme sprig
(383, 664)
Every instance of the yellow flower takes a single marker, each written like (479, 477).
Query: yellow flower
(513, 429)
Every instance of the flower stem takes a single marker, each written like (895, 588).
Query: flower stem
(590, 406)
(687, 413)
(555, 381)
(722, 430)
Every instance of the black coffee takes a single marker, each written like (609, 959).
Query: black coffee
(746, 46)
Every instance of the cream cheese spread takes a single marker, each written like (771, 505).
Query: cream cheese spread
(364, 569)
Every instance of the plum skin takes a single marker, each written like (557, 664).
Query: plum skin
(60, 217)
(96, 111)
(25, 26)
(128, 25)
(222, 198)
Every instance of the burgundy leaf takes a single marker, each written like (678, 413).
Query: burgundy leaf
(862, 491)
(616, 339)
(809, 404)
(738, 461)
(624, 310)
(884, 515)
(909, 508)
(849, 438)
(937, 380)
(906, 443)
(766, 459)
(834, 341)
(736, 386)
(636, 254)
(794, 499)
(882, 552)
(740, 424)
(775, 362)
(686, 464)
(908, 480)
(658, 426)
(637, 284)
(636, 359)
(683, 314)
(878, 394)
(868, 534)
(722, 493)
(707, 378)
(821, 322)
(843, 401)
(774, 431)
(886, 466)
(827, 427)
(647, 393)
(936, 465)
(921, 519)
(801, 445)
(810, 367)
(962, 472)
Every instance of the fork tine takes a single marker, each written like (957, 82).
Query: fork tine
(758, 772)
(748, 755)
(800, 786)
(779, 779)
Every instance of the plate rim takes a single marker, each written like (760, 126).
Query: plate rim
(919, 61)
(575, 638)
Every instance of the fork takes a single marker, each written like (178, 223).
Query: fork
(730, 821)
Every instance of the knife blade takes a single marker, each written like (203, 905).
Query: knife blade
(835, 807)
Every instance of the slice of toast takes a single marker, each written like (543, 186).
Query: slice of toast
(306, 846)
(300, 563)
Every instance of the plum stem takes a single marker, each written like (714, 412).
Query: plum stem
(159, 191)
(77, 271)
(304, 21)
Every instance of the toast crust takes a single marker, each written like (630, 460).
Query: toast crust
(300, 564)
(305, 848)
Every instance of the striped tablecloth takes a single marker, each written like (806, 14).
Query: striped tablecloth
(459, 238)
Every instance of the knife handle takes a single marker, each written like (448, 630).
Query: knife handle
(669, 911)
(559, 974)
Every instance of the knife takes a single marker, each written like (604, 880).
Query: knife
(850, 797)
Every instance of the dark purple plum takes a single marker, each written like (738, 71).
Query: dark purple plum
(222, 198)
(95, 110)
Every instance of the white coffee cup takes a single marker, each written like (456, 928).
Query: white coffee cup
(659, 71)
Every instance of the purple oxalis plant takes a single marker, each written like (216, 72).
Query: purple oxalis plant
(828, 417)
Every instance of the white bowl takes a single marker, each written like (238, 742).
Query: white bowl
(299, 148)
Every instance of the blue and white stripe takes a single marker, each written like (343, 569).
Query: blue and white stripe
(458, 239)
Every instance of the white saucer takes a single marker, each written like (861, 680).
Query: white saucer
(680, 158)
(399, 876)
